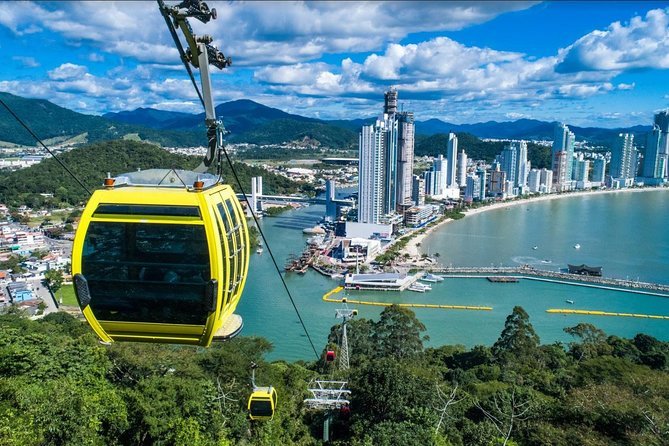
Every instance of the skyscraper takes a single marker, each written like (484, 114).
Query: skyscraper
(440, 173)
(598, 169)
(513, 161)
(386, 163)
(372, 142)
(418, 190)
(472, 188)
(405, 158)
(561, 156)
(452, 156)
(462, 169)
(623, 159)
(534, 180)
(656, 159)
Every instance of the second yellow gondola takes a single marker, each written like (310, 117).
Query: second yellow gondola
(262, 403)
(162, 263)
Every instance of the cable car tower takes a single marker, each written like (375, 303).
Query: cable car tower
(333, 395)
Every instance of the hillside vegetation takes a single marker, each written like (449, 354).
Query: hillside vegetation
(283, 130)
(91, 163)
(48, 120)
(58, 385)
(476, 149)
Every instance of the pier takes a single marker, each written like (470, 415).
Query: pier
(530, 273)
(327, 297)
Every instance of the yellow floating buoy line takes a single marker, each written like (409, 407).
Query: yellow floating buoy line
(327, 298)
(605, 313)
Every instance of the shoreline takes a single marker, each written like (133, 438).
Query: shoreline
(412, 249)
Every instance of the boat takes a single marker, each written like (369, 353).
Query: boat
(577, 246)
(431, 278)
(259, 250)
(419, 287)
(316, 230)
(535, 247)
(569, 301)
(546, 261)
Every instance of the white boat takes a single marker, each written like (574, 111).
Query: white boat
(535, 247)
(569, 301)
(259, 250)
(432, 278)
(420, 287)
(577, 246)
(546, 261)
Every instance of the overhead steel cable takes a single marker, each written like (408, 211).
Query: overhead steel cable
(271, 254)
(221, 148)
(25, 126)
(180, 48)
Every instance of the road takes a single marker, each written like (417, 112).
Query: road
(42, 292)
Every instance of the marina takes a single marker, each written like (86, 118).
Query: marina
(460, 243)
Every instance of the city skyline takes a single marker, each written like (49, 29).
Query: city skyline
(598, 64)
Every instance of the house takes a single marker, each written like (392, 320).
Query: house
(19, 292)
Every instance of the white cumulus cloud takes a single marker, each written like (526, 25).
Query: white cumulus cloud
(67, 71)
(642, 43)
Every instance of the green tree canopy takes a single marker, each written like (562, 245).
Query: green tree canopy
(518, 339)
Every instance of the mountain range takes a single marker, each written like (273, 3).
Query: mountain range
(247, 121)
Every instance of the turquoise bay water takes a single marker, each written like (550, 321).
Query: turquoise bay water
(626, 233)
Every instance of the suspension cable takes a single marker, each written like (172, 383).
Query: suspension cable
(25, 126)
(234, 174)
(271, 254)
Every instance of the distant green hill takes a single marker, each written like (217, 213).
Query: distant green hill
(284, 130)
(91, 163)
(48, 120)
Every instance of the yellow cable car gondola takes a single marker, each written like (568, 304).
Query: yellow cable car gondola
(262, 400)
(156, 262)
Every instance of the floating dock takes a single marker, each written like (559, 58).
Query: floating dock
(503, 279)
(605, 313)
(327, 297)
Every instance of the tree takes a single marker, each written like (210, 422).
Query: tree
(593, 342)
(53, 279)
(505, 409)
(398, 333)
(518, 340)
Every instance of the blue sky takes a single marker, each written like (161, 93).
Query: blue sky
(585, 63)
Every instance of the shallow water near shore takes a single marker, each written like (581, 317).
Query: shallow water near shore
(625, 233)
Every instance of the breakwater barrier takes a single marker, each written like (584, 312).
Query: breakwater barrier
(327, 297)
(605, 313)
(530, 273)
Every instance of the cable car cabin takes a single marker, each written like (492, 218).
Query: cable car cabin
(159, 263)
(262, 403)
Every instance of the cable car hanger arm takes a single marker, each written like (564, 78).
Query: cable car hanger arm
(200, 53)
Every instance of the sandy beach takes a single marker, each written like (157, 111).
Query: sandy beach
(412, 246)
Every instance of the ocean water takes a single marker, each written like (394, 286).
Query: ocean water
(625, 233)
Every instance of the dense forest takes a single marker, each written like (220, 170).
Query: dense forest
(91, 164)
(60, 386)
(282, 130)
